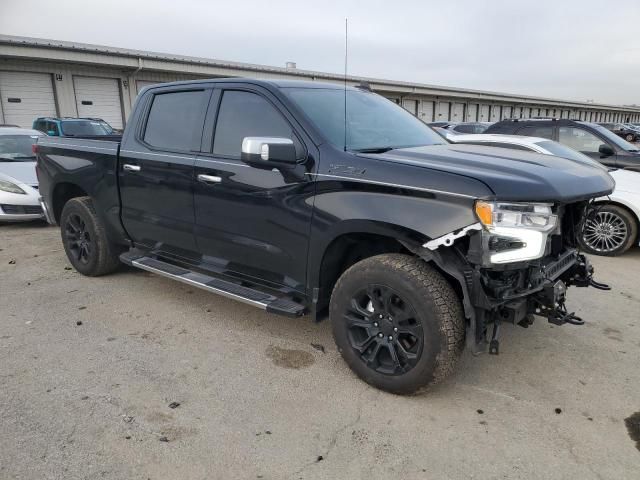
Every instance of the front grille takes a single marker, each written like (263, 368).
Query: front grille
(21, 209)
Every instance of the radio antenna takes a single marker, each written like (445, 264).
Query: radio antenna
(346, 44)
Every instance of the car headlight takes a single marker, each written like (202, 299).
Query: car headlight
(515, 232)
(11, 187)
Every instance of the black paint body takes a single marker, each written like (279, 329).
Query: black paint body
(272, 226)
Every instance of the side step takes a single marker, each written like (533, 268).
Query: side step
(250, 296)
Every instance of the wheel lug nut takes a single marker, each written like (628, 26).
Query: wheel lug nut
(375, 324)
(390, 337)
(380, 316)
(395, 329)
(380, 335)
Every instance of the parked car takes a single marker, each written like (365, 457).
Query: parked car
(75, 127)
(19, 196)
(265, 193)
(613, 226)
(623, 131)
(592, 139)
(468, 127)
(438, 124)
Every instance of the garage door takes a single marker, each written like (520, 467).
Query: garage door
(25, 97)
(140, 84)
(457, 112)
(442, 112)
(472, 112)
(99, 97)
(495, 113)
(484, 113)
(410, 106)
(427, 111)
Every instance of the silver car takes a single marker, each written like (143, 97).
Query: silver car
(19, 197)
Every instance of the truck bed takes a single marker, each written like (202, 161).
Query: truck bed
(91, 165)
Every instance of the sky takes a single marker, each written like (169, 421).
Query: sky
(567, 49)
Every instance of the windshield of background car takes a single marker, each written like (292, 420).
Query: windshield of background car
(17, 148)
(373, 122)
(75, 128)
(615, 139)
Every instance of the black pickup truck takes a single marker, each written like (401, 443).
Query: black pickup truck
(277, 194)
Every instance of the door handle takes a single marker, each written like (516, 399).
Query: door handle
(209, 179)
(127, 167)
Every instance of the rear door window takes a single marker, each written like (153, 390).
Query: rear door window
(246, 114)
(536, 131)
(175, 120)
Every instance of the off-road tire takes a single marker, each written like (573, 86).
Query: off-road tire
(435, 303)
(631, 225)
(102, 258)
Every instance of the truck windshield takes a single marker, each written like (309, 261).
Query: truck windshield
(373, 122)
(79, 127)
(17, 148)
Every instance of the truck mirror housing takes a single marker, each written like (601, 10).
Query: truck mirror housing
(605, 150)
(258, 150)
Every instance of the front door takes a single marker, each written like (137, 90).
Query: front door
(585, 142)
(253, 222)
(156, 172)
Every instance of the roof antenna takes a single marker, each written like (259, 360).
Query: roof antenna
(346, 36)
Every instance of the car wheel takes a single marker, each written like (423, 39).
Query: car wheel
(629, 137)
(610, 230)
(85, 240)
(397, 323)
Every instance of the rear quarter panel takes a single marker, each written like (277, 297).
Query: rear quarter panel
(87, 165)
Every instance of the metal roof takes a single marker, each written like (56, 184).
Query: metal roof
(139, 56)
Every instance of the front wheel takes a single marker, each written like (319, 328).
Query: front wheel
(630, 138)
(84, 239)
(610, 231)
(397, 323)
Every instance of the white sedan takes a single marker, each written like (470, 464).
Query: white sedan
(19, 196)
(613, 228)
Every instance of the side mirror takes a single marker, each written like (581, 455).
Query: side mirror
(605, 150)
(258, 150)
(51, 133)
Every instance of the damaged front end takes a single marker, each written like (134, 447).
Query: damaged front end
(516, 262)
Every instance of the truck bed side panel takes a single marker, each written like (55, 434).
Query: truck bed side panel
(89, 166)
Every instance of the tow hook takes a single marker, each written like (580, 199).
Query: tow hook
(583, 275)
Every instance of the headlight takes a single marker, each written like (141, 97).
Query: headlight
(515, 232)
(11, 187)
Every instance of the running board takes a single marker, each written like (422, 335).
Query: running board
(250, 296)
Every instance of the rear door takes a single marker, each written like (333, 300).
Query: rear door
(253, 222)
(156, 170)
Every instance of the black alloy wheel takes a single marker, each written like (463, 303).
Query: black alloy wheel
(78, 238)
(384, 330)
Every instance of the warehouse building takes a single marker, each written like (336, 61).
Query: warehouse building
(41, 77)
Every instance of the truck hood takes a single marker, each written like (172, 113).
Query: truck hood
(512, 175)
(24, 172)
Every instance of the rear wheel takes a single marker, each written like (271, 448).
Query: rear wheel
(610, 231)
(397, 323)
(630, 137)
(84, 239)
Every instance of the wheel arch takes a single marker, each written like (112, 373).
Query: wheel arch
(61, 194)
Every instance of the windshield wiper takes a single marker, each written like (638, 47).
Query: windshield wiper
(373, 150)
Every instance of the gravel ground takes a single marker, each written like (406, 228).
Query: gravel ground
(90, 369)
